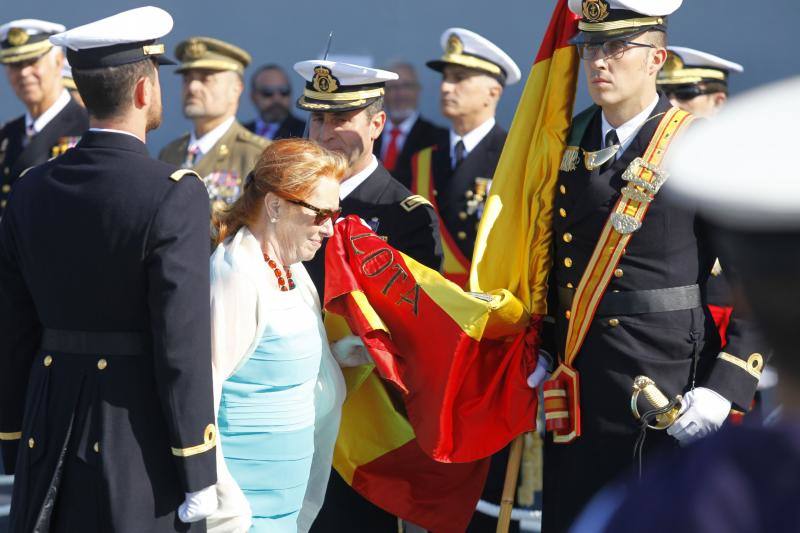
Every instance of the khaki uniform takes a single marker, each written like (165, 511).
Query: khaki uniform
(225, 167)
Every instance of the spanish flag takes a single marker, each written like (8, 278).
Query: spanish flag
(444, 393)
(513, 245)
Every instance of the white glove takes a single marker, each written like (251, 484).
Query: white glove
(350, 351)
(198, 505)
(703, 412)
(542, 370)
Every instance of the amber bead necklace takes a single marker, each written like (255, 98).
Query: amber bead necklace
(285, 284)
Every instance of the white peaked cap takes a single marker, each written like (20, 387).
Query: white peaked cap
(735, 177)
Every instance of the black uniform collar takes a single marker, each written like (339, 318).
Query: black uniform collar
(107, 139)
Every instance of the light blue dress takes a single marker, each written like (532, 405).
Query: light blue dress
(266, 416)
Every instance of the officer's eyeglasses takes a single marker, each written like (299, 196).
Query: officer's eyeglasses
(322, 215)
(689, 92)
(608, 49)
(269, 92)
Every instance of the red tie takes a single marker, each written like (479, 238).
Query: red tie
(390, 160)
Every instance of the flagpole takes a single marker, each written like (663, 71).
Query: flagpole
(510, 485)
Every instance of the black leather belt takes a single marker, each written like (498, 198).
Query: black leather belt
(95, 342)
(639, 302)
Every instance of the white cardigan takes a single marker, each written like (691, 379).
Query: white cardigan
(239, 312)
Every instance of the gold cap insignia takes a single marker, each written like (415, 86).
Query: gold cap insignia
(454, 45)
(17, 37)
(595, 10)
(195, 49)
(324, 81)
(673, 62)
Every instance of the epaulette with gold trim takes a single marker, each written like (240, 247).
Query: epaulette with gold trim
(250, 137)
(178, 175)
(413, 202)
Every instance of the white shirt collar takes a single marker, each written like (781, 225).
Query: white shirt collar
(406, 125)
(405, 129)
(109, 130)
(350, 184)
(207, 141)
(471, 139)
(627, 131)
(47, 116)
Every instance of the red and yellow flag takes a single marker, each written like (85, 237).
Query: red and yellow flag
(513, 245)
(444, 397)
(448, 387)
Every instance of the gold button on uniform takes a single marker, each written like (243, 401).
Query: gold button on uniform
(562, 189)
(469, 193)
(435, 192)
(562, 212)
(567, 314)
(102, 364)
(31, 442)
(618, 273)
(3, 203)
(614, 322)
(48, 360)
(567, 262)
(567, 237)
(462, 215)
(96, 447)
(6, 187)
(462, 236)
(570, 286)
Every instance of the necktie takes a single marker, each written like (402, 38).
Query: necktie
(30, 131)
(611, 140)
(191, 156)
(390, 159)
(461, 151)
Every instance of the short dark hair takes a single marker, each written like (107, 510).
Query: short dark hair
(375, 107)
(657, 38)
(107, 91)
(269, 66)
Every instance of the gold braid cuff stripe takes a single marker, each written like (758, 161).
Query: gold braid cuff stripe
(752, 366)
(620, 24)
(209, 441)
(11, 436)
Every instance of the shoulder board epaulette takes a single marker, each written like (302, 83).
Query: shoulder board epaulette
(413, 202)
(250, 137)
(180, 174)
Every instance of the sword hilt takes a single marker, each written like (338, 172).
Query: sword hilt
(647, 387)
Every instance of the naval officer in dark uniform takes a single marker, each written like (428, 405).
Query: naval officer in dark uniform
(346, 105)
(456, 173)
(744, 479)
(52, 122)
(106, 409)
(625, 308)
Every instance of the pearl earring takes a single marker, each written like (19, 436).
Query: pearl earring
(273, 220)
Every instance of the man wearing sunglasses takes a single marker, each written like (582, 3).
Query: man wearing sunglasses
(346, 106)
(628, 270)
(696, 81)
(218, 148)
(271, 92)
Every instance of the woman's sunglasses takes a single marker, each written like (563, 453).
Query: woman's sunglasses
(322, 215)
